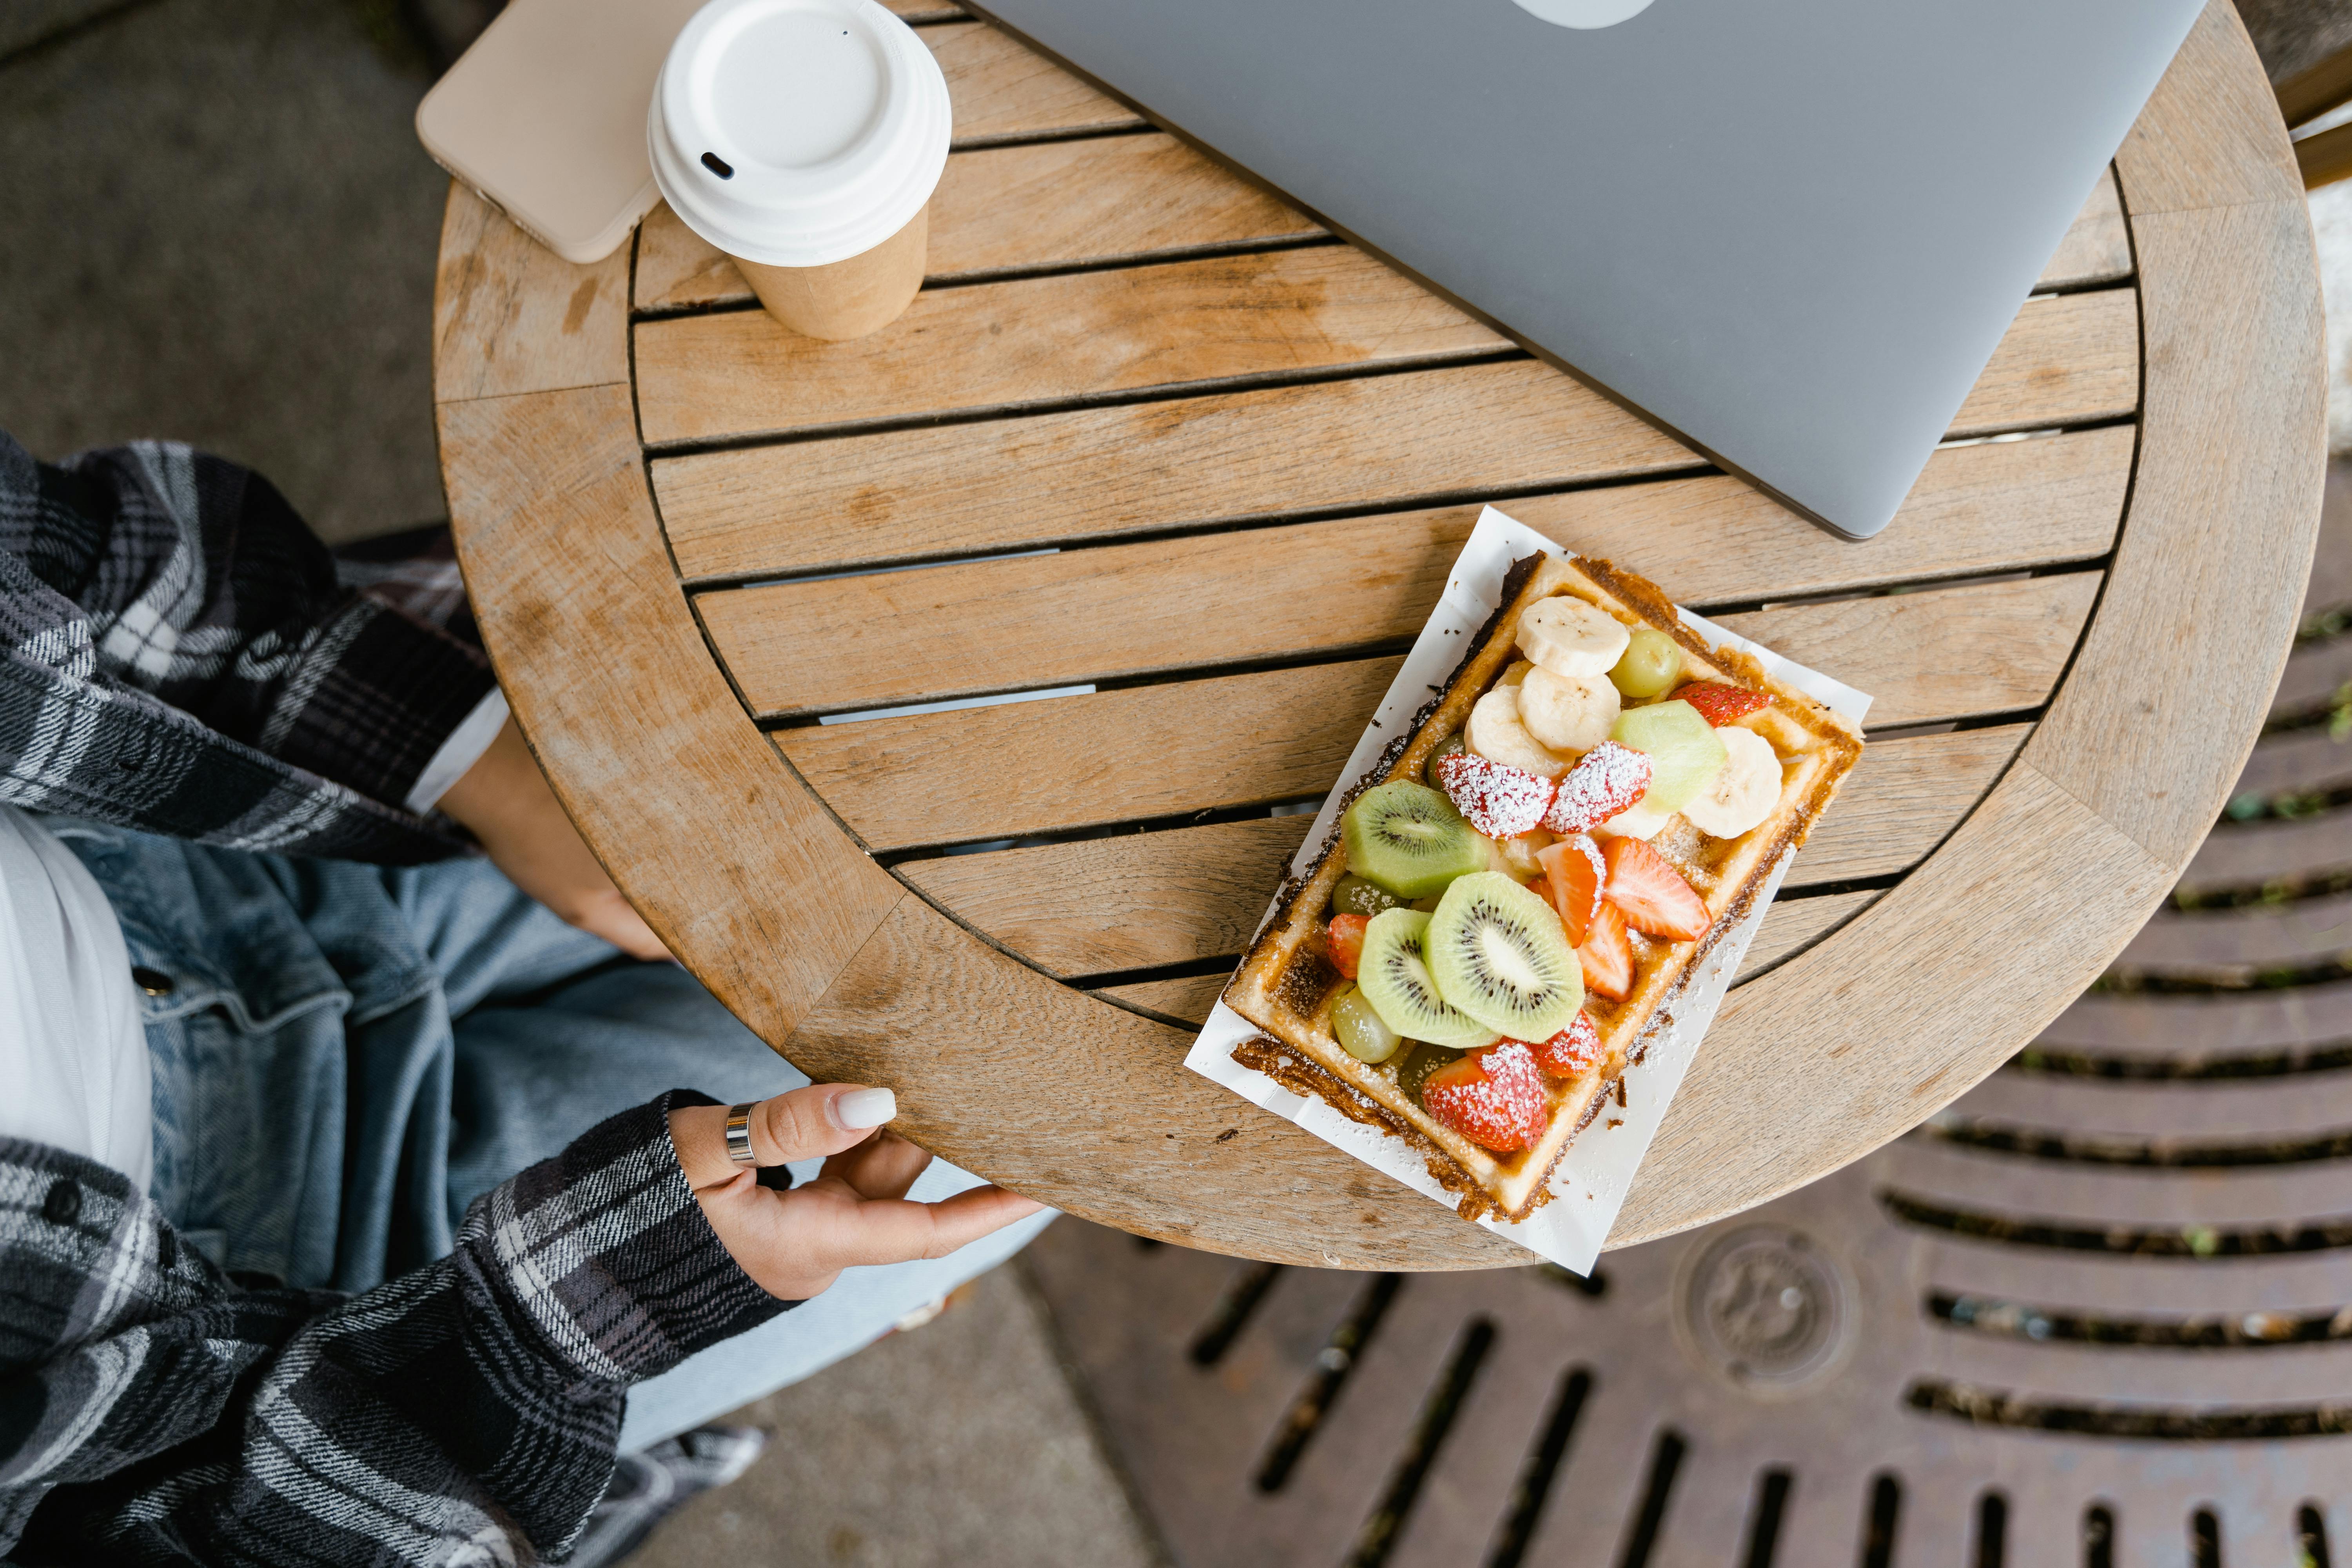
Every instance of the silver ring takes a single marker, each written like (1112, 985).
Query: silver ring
(739, 1133)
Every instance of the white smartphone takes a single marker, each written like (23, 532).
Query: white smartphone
(545, 117)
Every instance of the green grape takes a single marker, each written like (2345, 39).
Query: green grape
(1355, 896)
(1419, 1063)
(1650, 665)
(1446, 748)
(1362, 1030)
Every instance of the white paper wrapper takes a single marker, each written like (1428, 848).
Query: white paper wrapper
(1592, 1180)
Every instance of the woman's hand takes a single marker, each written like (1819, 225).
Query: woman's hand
(794, 1244)
(504, 802)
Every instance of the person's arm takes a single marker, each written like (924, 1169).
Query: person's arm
(471, 1405)
(178, 654)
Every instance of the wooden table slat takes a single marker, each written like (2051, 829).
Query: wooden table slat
(1103, 906)
(1002, 89)
(2067, 359)
(1170, 605)
(1035, 205)
(1224, 741)
(1095, 473)
(1132, 198)
(1050, 340)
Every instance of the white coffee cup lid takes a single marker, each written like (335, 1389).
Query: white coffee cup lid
(798, 132)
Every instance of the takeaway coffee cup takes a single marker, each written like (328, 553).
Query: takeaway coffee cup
(804, 138)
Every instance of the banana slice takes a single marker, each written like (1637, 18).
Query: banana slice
(1516, 673)
(1567, 713)
(1744, 790)
(1568, 636)
(1495, 733)
(1639, 820)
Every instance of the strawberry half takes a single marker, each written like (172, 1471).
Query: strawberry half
(1609, 778)
(1651, 893)
(1573, 874)
(1606, 955)
(1719, 704)
(1501, 801)
(1347, 943)
(1493, 1096)
(1573, 1051)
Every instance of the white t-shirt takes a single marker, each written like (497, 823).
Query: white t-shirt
(73, 1048)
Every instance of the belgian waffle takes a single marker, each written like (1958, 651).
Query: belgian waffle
(1287, 983)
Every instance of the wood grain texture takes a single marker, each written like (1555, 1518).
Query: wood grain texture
(2204, 594)
(512, 316)
(1080, 761)
(1047, 621)
(610, 681)
(1049, 339)
(1188, 1001)
(1035, 205)
(1949, 653)
(1135, 1141)
(1141, 197)
(2068, 359)
(1167, 604)
(2210, 135)
(2097, 246)
(1076, 761)
(1101, 906)
(1003, 89)
(1792, 925)
(1822, 1060)
(1098, 472)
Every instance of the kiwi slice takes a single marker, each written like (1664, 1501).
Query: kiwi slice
(1394, 978)
(1684, 750)
(1499, 954)
(1408, 838)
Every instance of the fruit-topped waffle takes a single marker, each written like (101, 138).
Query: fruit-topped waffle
(1520, 887)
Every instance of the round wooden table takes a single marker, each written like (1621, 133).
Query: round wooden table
(1153, 435)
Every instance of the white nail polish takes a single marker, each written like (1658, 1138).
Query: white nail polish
(863, 1108)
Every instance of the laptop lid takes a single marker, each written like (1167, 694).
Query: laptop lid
(1790, 233)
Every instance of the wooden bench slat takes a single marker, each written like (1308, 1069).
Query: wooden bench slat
(1043, 766)
(1039, 204)
(1102, 906)
(2065, 360)
(1130, 609)
(1385, 440)
(1047, 339)
(1789, 925)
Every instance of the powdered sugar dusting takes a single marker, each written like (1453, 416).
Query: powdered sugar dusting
(1500, 801)
(1611, 778)
(1501, 1107)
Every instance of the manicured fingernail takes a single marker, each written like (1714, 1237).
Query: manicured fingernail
(862, 1107)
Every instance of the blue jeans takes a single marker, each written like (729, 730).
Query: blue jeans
(346, 1056)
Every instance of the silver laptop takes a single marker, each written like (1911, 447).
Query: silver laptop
(1790, 232)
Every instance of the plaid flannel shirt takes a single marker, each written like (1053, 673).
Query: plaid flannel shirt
(152, 1412)
(179, 654)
